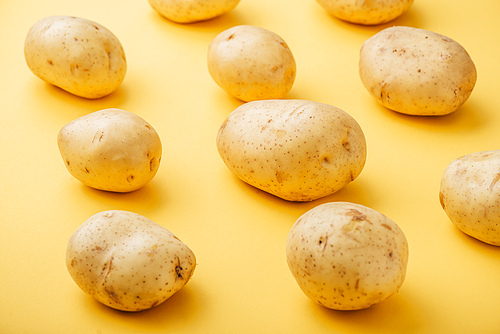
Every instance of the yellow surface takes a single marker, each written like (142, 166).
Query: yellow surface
(242, 283)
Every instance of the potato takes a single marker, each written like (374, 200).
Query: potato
(366, 12)
(297, 150)
(251, 63)
(127, 261)
(346, 256)
(416, 72)
(111, 149)
(80, 56)
(189, 11)
(470, 195)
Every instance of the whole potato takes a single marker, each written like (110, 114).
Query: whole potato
(366, 12)
(416, 72)
(297, 150)
(80, 56)
(127, 261)
(470, 195)
(111, 149)
(346, 256)
(189, 11)
(251, 63)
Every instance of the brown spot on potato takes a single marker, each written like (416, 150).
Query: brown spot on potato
(441, 199)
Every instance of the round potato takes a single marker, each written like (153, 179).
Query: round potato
(366, 12)
(111, 149)
(346, 256)
(251, 63)
(416, 72)
(127, 261)
(189, 11)
(470, 195)
(80, 56)
(297, 150)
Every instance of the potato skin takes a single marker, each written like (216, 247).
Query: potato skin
(127, 261)
(297, 150)
(251, 63)
(77, 55)
(190, 11)
(366, 12)
(111, 149)
(470, 195)
(346, 256)
(416, 72)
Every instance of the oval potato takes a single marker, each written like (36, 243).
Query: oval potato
(77, 55)
(416, 72)
(127, 261)
(346, 256)
(251, 63)
(189, 11)
(470, 195)
(111, 149)
(297, 150)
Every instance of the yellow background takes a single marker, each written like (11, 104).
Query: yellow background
(242, 283)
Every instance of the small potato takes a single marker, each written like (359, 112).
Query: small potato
(297, 150)
(366, 12)
(189, 11)
(127, 261)
(470, 195)
(111, 149)
(80, 56)
(416, 72)
(346, 256)
(251, 63)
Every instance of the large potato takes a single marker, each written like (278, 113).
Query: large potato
(189, 11)
(77, 55)
(347, 256)
(251, 63)
(367, 12)
(127, 261)
(470, 195)
(416, 72)
(298, 150)
(111, 149)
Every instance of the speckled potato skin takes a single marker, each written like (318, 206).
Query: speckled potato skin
(190, 11)
(127, 261)
(470, 195)
(346, 256)
(366, 12)
(416, 72)
(297, 150)
(80, 56)
(111, 149)
(251, 63)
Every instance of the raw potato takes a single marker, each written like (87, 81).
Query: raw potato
(366, 12)
(80, 56)
(127, 261)
(251, 63)
(189, 11)
(470, 195)
(111, 149)
(416, 72)
(297, 150)
(346, 256)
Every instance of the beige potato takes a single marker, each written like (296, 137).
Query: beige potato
(80, 56)
(470, 195)
(366, 12)
(127, 261)
(189, 11)
(251, 63)
(416, 72)
(297, 150)
(346, 256)
(111, 149)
